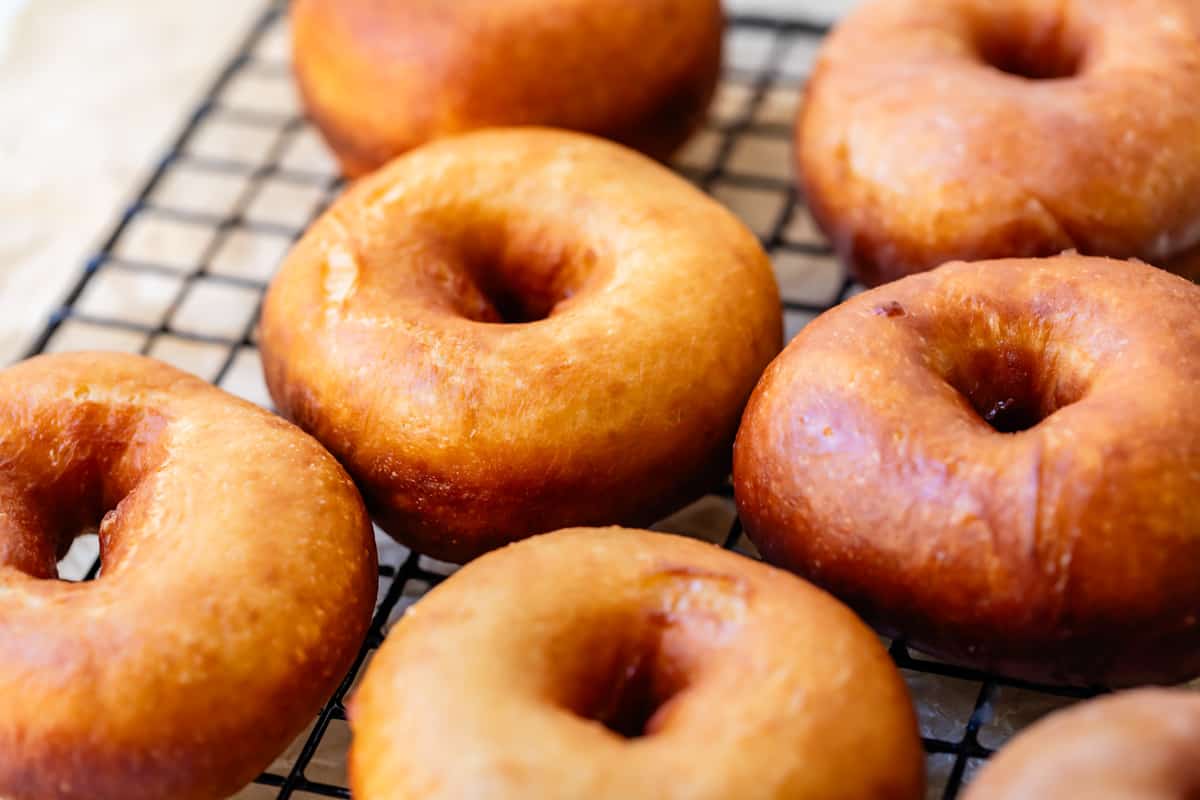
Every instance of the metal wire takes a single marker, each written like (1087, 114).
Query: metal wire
(953, 754)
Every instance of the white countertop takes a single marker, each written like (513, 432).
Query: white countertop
(93, 90)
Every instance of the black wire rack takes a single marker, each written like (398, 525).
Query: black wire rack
(181, 275)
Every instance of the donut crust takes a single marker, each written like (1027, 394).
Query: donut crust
(915, 149)
(1136, 745)
(500, 683)
(1062, 551)
(380, 78)
(519, 330)
(239, 576)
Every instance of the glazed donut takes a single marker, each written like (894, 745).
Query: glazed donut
(999, 461)
(238, 579)
(610, 664)
(1138, 745)
(971, 129)
(380, 78)
(639, 315)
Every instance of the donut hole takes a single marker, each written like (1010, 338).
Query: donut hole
(1034, 52)
(93, 532)
(80, 475)
(81, 562)
(638, 665)
(515, 305)
(1010, 386)
(83, 505)
(521, 275)
(95, 514)
(625, 687)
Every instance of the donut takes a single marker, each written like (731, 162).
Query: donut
(520, 330)
(610, 664)
(1136, 745)
(380, 78)
(936, 130)
(998, 460)
(238, 579)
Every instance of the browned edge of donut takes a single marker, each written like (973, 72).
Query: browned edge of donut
(613, 663)
(441, 80)
(239, 578)
(1134, 745)
(1061, 550)
(941, 130)
(616, 402)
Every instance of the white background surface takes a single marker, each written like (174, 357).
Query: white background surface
(92, 91)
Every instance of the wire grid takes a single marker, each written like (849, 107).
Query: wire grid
(181, 276)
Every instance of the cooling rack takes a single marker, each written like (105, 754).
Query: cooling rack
(181, 274)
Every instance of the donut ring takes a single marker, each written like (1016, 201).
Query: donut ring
(238, 581)
(593, 664)
(1066, 549)
(1025, 127)
(382, 78)
(640, 315)
(1137, 745)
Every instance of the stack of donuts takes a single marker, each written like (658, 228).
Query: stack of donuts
(515, 332)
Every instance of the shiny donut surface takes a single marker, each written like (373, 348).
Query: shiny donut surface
(380, 78)
(519, 330)
(610, 664)
(999, 461)
(238, 578)
(936, 130)
(1136, 745)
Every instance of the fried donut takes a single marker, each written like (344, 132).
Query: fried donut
(1138, 745)
(380, 78)
(238, 582)
(605, 663)
(971, 129)
(998, 460)
(520, 330)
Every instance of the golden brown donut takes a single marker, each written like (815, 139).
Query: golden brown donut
(380, 78)
(519, 330)
(1060, 542)
(1137, 745)
(610, 664)
(970, 129)
(238, 581)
